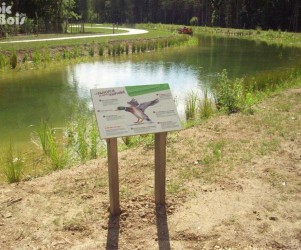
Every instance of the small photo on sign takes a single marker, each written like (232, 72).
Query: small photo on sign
(135, 110)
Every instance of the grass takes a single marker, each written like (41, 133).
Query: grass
(13, 166)
(191, 102)
(205, 106)
(214, 153)
(281, 38)
(42, 133)
(51, 145)
(56, 152)
(73, 42)
(82, 138)
(3, 61)
(13, 60)
(46, 55)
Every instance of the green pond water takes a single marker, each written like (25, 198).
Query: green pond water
(52, 94)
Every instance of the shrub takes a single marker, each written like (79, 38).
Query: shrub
(194, 21)
(229, 94)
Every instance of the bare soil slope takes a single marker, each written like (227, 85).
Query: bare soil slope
(234, 182)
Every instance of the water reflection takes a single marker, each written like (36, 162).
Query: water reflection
(107, 74)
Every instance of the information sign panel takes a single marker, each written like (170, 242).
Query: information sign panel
(135, 110)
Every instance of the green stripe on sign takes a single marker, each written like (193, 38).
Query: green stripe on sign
(146, 89)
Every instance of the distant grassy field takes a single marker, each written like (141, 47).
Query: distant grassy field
(73, 42)
(88, 30)
(283, 38)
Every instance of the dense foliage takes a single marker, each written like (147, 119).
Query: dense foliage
(265, 14)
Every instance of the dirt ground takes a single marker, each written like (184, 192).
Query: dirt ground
(233, 182)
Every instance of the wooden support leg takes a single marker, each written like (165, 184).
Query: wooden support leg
(160, 168)
(113, 176)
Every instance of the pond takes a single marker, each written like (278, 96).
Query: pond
(30, 96)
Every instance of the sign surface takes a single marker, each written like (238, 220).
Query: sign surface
(135, 110)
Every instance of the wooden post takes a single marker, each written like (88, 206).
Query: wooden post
(113, 176)
(160, 168)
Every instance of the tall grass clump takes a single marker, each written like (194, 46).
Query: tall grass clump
(14, 60)
(66, 54)
(3, 61)
(55, 151)
(134, 48)
(114, 50)
(191, 103)
(83, 138)
(93, 139)
(127, 48)
(42, 133)
(229, 94)
(46, 55)
(91, 50)
(205, 106)
(109, 50)
(51, 145)
(76, 52)
(101, 50)
(25, 58)
(37, 58)
(118, 49)
(13, 166)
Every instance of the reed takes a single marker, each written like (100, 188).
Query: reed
(81, 140)
(114, 50)
(42, 132)
(52, 146)
(76, 52)
(134, 48)
(205, 106)
(13, 166)
(101, 50)
(36, 58)
(25, 58)
(93, 140)
(91, 50)
(118, 49)
(127, 48)
(83, 137)
(56, 153)
(13, 60)
(191, 102)
(3, 61)
(46, 55)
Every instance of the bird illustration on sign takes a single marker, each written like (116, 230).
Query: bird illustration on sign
(138, 110)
